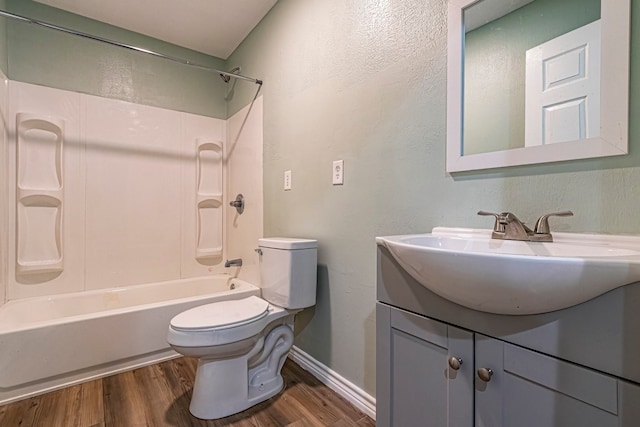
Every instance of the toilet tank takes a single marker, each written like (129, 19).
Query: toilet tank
(288, 271)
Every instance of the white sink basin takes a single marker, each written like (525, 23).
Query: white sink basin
(467, 267)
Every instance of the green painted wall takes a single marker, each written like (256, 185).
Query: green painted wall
(3, 39)
(365, 81)
(495, 68)
(50, 58)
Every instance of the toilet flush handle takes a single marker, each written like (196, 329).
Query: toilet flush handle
(258, 251)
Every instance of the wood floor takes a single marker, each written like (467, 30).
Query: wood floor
(159, 395)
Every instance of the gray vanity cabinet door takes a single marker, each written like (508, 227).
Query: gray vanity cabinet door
(528, 389)
(415, 384)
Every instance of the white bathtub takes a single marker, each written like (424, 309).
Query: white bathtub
(52, 342)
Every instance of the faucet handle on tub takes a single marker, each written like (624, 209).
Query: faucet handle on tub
(541, 230)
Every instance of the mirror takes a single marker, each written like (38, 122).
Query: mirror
(536, 81)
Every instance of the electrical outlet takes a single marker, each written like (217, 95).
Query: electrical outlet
(287, 180)
(338, 172)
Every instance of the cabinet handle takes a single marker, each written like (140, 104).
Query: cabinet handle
(455, 362)
(485, 374)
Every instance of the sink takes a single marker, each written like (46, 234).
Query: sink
(469, 268)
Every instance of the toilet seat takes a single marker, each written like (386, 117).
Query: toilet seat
(221, 315)
(222, 322)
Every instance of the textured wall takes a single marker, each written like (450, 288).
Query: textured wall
(364, 81)
(3, 39)
(50, 58)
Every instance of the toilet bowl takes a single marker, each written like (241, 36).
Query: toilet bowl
(242, 344)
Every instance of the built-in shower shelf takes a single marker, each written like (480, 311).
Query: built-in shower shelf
(39, 194)
(24, 193)
(204, 254)
(209, 197)
(39, 231)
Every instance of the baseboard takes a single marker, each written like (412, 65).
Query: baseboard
(336, 382)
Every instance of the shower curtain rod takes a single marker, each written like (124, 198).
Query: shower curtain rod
(126, 46)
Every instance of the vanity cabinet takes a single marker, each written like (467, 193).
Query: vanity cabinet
(431, 373)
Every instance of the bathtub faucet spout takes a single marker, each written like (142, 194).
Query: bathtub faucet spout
(235, 262)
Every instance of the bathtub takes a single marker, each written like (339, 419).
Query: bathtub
(52, 342)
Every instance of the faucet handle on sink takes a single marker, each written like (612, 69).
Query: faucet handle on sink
(542, 224)
(498, 227)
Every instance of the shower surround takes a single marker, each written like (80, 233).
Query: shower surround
(103, 194)
(107, 192)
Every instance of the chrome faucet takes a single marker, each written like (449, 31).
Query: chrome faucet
(509, 227)
(233, 262)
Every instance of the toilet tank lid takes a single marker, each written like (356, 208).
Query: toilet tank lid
(287, 243)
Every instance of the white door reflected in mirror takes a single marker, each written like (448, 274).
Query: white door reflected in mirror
(562, 88)
(486, 92)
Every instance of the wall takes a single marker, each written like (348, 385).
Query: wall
(50, 58)
(3, 39)
(365, 81)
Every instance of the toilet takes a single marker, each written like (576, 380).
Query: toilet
(242, 344)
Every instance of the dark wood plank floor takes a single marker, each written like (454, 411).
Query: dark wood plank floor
(159, 395)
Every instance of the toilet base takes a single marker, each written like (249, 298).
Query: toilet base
(225, 387)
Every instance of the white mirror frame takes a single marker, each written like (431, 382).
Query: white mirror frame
(614, 92)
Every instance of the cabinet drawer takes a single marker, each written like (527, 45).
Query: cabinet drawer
(580, 383)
